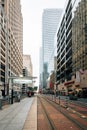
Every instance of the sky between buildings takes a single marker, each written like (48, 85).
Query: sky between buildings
(32, 23)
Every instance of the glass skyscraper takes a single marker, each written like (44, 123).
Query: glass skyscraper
(50, 20)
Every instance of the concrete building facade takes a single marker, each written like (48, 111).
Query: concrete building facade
(79, 37)
(27, 71)
(28, 64)
(11, 41)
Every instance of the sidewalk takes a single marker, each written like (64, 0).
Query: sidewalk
(31, 120)
(20, 115)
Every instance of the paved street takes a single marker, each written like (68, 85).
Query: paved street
(20, 115)
(14, 116)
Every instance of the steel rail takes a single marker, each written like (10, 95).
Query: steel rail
(52, 126)
(54, 104)
(78, 103)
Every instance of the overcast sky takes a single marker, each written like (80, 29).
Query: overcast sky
(32, 18)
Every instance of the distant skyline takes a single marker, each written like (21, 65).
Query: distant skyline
(32, 24)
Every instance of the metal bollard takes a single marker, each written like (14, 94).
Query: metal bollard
(0, 104)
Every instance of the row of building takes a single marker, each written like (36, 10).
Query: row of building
(12, 62)
(71, 39)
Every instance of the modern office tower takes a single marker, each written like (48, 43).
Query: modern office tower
(50, 22)
(64, 45)
(28, 64)
(11, 41)
(71, 45)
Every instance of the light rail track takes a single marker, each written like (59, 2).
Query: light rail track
(76, 106)
(80, 123)
(50, 125)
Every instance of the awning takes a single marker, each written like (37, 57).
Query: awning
(69, 82)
